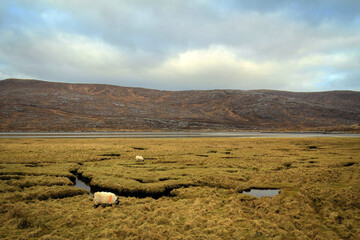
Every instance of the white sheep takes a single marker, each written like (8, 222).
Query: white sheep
(105, 199)
(139, 158)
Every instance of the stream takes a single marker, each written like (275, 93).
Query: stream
(81, 184)
(262, 192)
(254, 192)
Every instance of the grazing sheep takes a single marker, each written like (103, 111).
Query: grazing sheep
(105, 199)
(139, 158)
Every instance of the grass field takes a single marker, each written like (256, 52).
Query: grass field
(185, 188)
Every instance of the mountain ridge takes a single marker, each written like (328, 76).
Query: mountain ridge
(35, 105)
(23, 80)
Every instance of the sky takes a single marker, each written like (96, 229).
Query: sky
(303, 45)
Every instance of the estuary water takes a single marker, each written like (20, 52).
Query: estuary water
(81, 184)
(262, 192)
(167, 134)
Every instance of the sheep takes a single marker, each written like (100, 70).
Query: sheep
(105, 199)
(139, 158)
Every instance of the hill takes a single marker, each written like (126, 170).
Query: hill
(33, 105)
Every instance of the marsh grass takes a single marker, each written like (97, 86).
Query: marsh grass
(185, 188)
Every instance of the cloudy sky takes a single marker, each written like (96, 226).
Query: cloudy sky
(303, 45)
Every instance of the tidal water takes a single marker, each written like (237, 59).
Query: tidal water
(81, 184)
(262, 192)
(166, 134)
(254, 192)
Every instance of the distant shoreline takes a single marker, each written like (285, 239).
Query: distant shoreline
(169, 134)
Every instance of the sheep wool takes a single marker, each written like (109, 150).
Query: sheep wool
(139, 158)
(105, 198)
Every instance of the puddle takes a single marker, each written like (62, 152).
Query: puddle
(262, 192)
(81, 184)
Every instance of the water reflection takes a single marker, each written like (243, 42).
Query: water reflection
(81, 184)
(262, 192)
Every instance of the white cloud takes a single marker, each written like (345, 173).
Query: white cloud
(216, 66)
(64, 52)
(183, 44)
(219, 67)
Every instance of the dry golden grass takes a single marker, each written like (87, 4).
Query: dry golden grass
(185, 188)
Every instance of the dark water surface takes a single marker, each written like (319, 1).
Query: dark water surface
(262, 192)
(81, 184)
(254, 192)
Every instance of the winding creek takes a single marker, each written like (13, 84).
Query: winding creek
(81, 184)
(254, 192)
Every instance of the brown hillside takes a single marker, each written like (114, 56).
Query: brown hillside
(32, 105)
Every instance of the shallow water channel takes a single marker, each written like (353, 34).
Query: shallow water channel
(81, 184)
(262, 192)
(254, 192)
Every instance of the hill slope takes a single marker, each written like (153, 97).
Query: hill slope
(32, 105)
